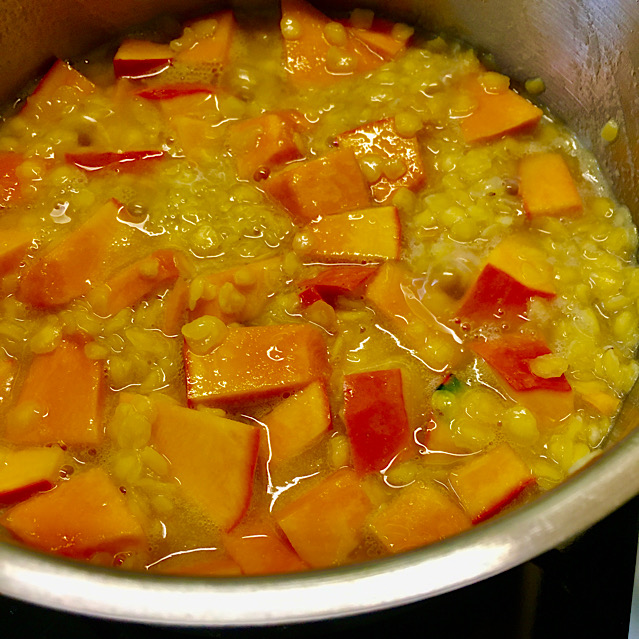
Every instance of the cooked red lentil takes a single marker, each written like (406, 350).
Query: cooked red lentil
(282, 294)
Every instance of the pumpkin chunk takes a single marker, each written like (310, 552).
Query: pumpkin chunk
(91, 162)
(14, 245)
(137, 59)
(204, 562)
(80, 517)
(334, 281)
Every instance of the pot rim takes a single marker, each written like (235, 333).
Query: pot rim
(370, 586)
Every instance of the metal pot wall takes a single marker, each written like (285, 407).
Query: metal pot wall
(587, 52)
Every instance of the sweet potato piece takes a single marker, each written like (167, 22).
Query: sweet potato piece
(136, 281)
(260, 550)
(265, 142)
(48, 409)
(421, 514)
(28, 471)
(137, 59)
(301, 188)
(204, 562)
(80, 517)
(256, 362)
(488, 482)
(381, 139)
(357, 236)
(62, 85)
(10, 183)
(214, 35)
(599, 396)
(546, 186)
(176, 90)
(325, 524)
(176, 303)
(297, 422)
(91, 162)
(393, 293)
(334, 281)
(496, 114)
(308, 55)
(379, 38)
(375, 418)
(69, 269)
(510, 356)
(255, 281)
(14, 245)
(548, 406)
(213, 458)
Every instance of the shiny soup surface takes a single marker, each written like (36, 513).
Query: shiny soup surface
(285, 292)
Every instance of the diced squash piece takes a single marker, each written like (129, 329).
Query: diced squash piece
(333, 281)
(92, 162)
(10, 183)
(488, 482)
(297, 422)
(256, 362)
(14, 245)
(382, 140)
(213, 39)
(421, 514)
(203, 562)
(380, 39)
(176, 90)
(311, 60)
(48, 409)
(253, 283)
(548, 406)
(546, 186)
(259, 549)
(301, 188)
(393, 293)
(82, 516)
(136, 281)
(325, 524)
(376, 419)
(28, 471)
(356, 236)
(442, 448)
(141, 59)
(496, 114)
(213, 458)
(60, 87)
(264, 143)
(510, 356)
(599, 396)
(69, 268)
(176, 303)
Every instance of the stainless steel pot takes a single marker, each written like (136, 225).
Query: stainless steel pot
(587, 52)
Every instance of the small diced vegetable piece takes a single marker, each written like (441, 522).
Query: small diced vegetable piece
(264, 143)
(48, 411)
(10, 183)
(239, 294)
(213, 39)
(256, 362)
(212, 457)
(393, 293)
(324, 525)
(375, 417)
(548, 406)
(496, 114)
(311, 60)
(91, 162)
(176, 302)
(259, 549)
(490, 481)
(421, 514)
(441, 446)
(14, 245)
(204, 562)
(136, 281)
(334, 281)
(68, 269)
(176, 90)
(78, 518)
(546, 186)
(367, 234)
(380, 39)
(510, 356)
(301, 188)
(60, 87)
(141, 59)
(382, 140)
(598, 396)
(28, 471)
(297, 422)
